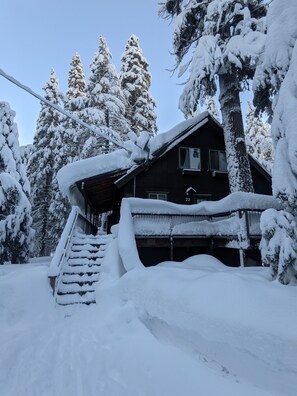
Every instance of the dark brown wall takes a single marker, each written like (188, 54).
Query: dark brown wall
(165, 176)
(261, 184)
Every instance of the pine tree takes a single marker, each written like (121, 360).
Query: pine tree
(68, 146)
(76, 85)
(75, 102)
(227, 39)
(136, 81)
(279, 244)
(16, 233)
(105, 102)
(275, 87)
(258, 138)
(42, 168)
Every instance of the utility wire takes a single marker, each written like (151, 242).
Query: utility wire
(95, 130)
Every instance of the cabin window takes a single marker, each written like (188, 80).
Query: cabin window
(217, 160)
(202, 197)
(158, 195)
(189, 158)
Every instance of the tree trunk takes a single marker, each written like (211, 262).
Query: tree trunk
(240, 178)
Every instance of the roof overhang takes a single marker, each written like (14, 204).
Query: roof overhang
(99, 191)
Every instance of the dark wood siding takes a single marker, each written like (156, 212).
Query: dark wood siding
(165, 175)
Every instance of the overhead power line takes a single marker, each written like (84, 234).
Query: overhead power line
(102, 132)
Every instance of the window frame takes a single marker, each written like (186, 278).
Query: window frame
(210, 162)
(157, 193)
(188, 168)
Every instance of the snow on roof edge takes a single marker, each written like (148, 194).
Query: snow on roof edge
(164, 138)
(89, 167)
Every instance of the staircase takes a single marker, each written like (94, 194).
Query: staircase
(80, 272)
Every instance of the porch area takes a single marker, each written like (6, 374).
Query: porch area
(228, 229)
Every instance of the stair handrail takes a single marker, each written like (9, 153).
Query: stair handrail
(63, 247)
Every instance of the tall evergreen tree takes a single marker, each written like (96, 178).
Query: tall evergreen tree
(105, 101)
(68, 145)
(258, 138)
(276, 91)
(76, 85)
(75, 102)
(16, 233)
(41, 167)
(136, 81)
(227, 40)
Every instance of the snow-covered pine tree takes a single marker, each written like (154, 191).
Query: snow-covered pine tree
(258, 138)
(105, 102)
(278, 244)
(276, 82)
(211, 107)
(76, 85)
(75, 102)
(136, 81)
(16, 234)
(41, 168)
(69, 144)
(227, 39)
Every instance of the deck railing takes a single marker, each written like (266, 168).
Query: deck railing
(75, 221)
(153, 224)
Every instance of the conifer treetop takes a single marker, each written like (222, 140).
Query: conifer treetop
(76, 79)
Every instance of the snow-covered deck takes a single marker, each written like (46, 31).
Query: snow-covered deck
(232, 222)
(224, 224)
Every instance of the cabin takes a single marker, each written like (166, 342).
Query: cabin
(185, 166)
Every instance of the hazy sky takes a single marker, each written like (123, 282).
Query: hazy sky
(38, 35)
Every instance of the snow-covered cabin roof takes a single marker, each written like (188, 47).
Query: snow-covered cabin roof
(121, 160)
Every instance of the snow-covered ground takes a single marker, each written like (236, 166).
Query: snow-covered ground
(192, 328)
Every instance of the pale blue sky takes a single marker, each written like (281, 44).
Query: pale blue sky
(37, 35)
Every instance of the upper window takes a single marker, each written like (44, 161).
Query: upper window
(189, 158)
(217, 160)
(158, 195)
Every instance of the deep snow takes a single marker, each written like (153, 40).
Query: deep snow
(196, 328)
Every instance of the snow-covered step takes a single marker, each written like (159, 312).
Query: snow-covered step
(76, 298)
(78, 239)
(70, 288)
(70, 278)
(87, 254)
(69, 281)
(88, 247)
(81, 269)
(84, 261)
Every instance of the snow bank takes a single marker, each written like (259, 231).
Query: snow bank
(233, 317)
(192, 328)
(126, 239)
